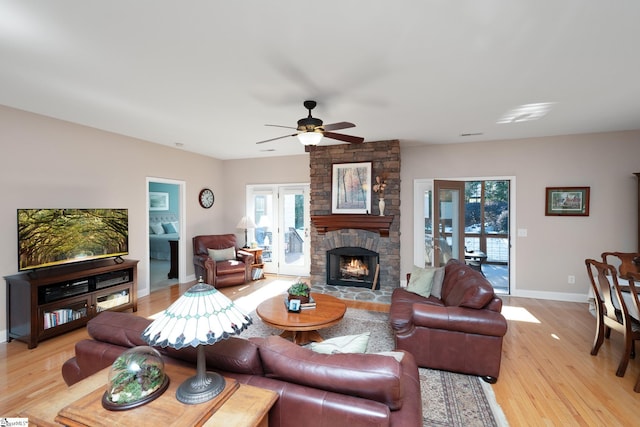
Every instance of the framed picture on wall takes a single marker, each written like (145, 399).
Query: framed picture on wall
(567, 201)
(351, 188)
(158, 201)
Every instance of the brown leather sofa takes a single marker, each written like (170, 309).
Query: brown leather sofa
(461, 332)
(315, 390)
(221, 273)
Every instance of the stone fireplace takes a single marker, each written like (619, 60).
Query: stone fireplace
(353, 266)
(331, 234)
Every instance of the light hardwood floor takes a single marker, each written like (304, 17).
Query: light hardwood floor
(548, 377)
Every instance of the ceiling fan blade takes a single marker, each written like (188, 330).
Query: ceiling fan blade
(346, 138)
(273, 139)
(338, 126)
(281, 126)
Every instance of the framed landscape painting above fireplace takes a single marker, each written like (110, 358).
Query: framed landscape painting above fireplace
(351, 188)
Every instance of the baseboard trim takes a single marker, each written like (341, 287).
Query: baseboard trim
(555, 296)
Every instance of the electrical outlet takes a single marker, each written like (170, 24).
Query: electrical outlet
(571, 280)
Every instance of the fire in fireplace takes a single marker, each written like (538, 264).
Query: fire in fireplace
(353, 266)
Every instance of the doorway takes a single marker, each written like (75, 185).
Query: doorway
(165, 216)
(470, 219)
(281, 215)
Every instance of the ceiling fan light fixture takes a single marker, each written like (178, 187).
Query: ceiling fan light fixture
(310, 130)
(309, 138)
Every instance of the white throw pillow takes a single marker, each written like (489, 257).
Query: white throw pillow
(346, 344)
(222, 254)
(421, 281)
(157, 228)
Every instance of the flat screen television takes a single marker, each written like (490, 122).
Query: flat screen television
(52, 237)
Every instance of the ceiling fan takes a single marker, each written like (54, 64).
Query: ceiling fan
(310, 130)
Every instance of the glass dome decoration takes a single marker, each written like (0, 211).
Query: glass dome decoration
(136, 377)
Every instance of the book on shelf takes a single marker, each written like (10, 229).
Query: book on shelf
(256, 273)
(61, 316)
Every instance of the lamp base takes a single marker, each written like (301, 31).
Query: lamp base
(196, 390)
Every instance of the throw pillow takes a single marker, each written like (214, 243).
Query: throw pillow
(345, 344)
(157, 228)
(222, 254)
(421, 281)
(438, 279)
(169, 228)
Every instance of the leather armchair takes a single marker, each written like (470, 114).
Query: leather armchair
(221, 273)
(461, 332)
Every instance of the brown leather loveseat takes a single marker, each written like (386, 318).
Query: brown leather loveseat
(231, 266)
(461, 332)
(315, 390)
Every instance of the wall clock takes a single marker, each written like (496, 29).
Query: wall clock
(206, 198)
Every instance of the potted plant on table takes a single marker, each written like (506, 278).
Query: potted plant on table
(300, 291)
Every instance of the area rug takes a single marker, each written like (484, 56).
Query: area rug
(448, 399)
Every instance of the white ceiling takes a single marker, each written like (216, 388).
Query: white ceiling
(210, 74)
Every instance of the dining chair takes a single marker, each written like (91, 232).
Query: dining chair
(611, 311)
(626, 262)
(634, 278)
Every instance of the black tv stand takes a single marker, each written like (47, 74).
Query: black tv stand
(54, 301)
(118, 260)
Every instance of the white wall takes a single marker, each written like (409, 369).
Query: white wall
(555, 247)
(51, 163)
(272, 170)
(48, 163)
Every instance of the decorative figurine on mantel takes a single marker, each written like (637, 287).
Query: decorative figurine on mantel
(379, 187)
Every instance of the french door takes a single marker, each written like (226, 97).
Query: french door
(474, 214)
(448, 221)
(281, 214)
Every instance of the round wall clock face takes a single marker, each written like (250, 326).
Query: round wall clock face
(206, 198)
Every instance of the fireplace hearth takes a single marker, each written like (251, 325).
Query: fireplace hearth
(353, 266)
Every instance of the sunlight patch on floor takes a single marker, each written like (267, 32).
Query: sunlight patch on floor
(249, 302)
(518, 314)
(155, 315)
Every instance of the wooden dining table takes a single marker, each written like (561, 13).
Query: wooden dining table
(627, 297)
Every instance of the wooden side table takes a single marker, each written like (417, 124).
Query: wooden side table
(257, 263)
(248, 406)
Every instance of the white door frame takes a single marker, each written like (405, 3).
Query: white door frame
(420, 185)
(182, 248)
(276, 191)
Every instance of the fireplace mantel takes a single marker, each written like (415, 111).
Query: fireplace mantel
(375, 223)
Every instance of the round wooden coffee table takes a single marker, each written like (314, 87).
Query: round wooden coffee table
(302, 327)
